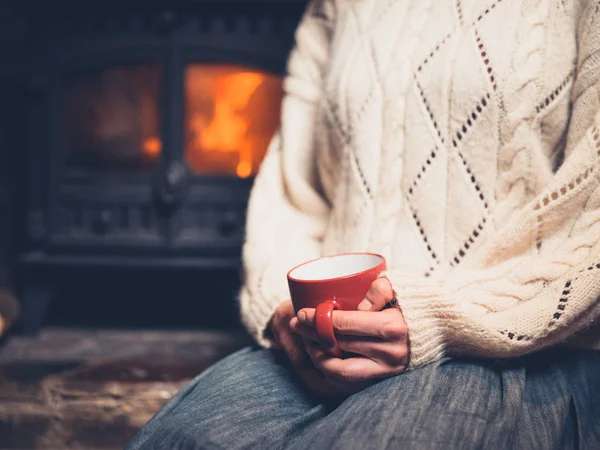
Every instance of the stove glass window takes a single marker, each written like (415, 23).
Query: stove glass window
(112, 120)
(231, 114)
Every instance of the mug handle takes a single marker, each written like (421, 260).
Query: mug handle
(324, 325)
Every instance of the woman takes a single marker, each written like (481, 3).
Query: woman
(461, 140)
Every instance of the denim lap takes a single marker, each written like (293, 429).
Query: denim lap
(253, 400)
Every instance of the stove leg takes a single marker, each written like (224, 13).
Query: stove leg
(35, 298)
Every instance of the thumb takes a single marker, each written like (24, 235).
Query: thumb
(379, 294)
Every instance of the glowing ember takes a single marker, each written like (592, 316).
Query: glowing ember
(244, 169)
(152, 147)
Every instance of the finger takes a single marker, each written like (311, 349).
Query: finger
(392, 354)
(388, 324)
(294, 348)
(273, 333)
(351, 370)
(307, 316)
(371, 347)
(315, 353)
(378, 296)
(305, 331)
(294, 322)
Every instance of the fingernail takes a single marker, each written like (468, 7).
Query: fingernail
(365, 305)
(302, 316)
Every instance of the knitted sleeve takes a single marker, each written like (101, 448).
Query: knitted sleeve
(287, 214)
(537, 281)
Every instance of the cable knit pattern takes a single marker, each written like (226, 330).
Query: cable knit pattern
(396, 82)
(462, 141)
(516, 171)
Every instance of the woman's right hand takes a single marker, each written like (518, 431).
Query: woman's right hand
(293, 346)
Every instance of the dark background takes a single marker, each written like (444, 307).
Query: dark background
(13, 64)
(126, 298)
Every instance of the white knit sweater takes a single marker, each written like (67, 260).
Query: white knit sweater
(460, 139)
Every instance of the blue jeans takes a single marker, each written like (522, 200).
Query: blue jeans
(253, 400)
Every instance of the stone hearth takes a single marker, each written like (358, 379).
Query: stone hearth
(91, 389)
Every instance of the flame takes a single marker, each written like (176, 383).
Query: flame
(226, 129)
(244, 169)
(231, 115)
(152, 147)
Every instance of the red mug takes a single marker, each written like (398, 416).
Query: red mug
(330, 283)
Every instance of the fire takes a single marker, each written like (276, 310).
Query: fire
(244, 169)
(226, 129)
(231, 115)
(152, 147)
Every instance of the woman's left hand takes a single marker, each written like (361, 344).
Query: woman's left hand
(376, 343)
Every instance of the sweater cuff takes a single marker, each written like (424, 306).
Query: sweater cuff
(256, 320)
(260, 300)
(427, 313)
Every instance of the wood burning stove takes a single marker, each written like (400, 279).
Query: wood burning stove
(147, 123)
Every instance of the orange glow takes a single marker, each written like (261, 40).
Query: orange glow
(152, 147)
(231, 115)
(244, 169)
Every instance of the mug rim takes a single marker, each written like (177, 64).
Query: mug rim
(325, 280)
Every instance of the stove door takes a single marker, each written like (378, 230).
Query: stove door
(231, 112)
(111, 147)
